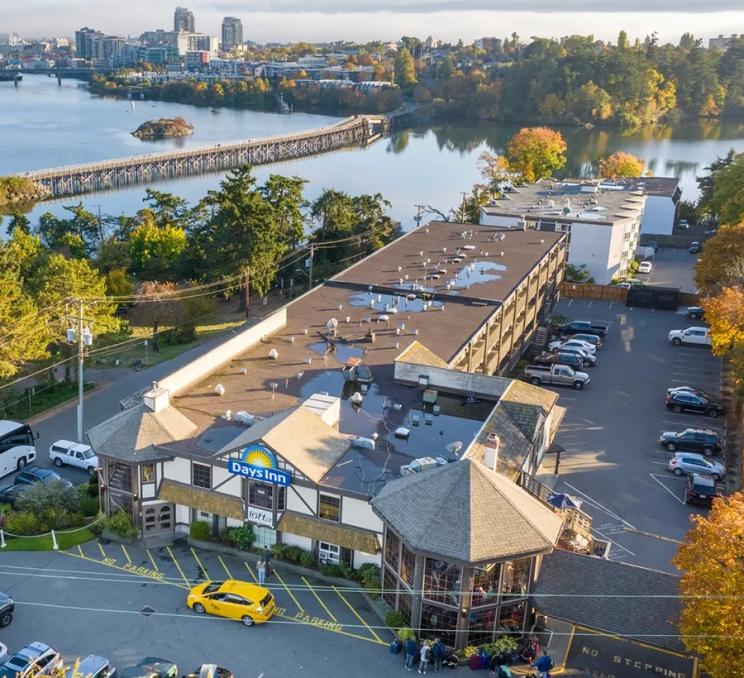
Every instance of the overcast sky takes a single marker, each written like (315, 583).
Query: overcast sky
(320, 20)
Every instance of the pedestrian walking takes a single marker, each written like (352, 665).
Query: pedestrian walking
(437, 654)
(261, 569)
(425, 657)
(267, 560)
(411, 648)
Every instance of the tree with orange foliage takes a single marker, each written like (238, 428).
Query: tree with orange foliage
(724, 314)
(621, 164)
(712, 585)
(721, 263)
(536, 152)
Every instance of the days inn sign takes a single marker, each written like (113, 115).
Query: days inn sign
(258, 462)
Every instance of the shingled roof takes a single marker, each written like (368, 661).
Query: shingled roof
(466, 512)
(587, 586)
(134, 434)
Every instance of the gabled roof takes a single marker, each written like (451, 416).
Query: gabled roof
(594, 592)
(466, 512)
(306, 442)
(254, 433)
(134, 434)
(418, 354)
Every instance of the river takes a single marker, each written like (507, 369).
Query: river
(46, 125)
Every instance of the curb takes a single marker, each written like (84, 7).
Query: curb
(45, 414)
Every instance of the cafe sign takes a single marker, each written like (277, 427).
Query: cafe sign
(258, 462)
(600, 655)
(259, 516)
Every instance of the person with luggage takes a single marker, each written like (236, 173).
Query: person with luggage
(261, 570)
(411, 649)
(543, 665)
(425, 657)
(267, 560)
(437, 654)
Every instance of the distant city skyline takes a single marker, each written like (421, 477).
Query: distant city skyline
(447, 20)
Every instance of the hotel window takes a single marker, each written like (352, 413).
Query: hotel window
(201, 476)
(329, 508)
(148, 473)
(261, 495)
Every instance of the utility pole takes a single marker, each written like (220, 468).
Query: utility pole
(81, 365)
(462, 206)
(312, 255)
(247, 291)
(419, 214)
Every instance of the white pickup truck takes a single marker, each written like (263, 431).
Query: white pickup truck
(68, 453)
(697, 336)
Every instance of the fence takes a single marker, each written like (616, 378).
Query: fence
(590, 291)
(56, 539)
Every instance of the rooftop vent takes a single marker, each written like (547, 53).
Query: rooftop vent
(219, 390)
(273, 354)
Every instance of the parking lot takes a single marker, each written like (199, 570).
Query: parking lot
(673, 267)
(137, 596)
(612, 460)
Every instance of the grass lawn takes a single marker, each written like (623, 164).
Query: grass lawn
(23, 406)
(44, 542)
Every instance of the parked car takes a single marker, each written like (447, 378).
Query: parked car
(93, 666)
(211, 671)
(36, 659)
(653, 245)
(585, 346)
(39, 475)
(683, 224)
(569, 359)
(690, 389)
(700, 489)
(625, 285)
(583, 327)
(151, 667)
(692, 439)
(7, 607)
(559, 375)
(74, 454)
(689, 462)
(695, 312)
(686, 401)
(590, 338)
(710, 232)
(695, 247)
(11, 493)
(694, 336)
(3, 653)
(234, 599)
(587, 359)
(645, 267)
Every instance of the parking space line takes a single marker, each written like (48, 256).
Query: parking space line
(126, 553)
(356, 614)
(152, 560)
(100, 548)
(598, 505)
(80, 551)
(178, 567)
(248, 567)
(110, 562)
(666, 488)
(199, 563)
(222, 562)
(322, 604)
(614, 543)
(287, 589)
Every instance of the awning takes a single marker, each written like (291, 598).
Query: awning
(341, 535)
(202, 499)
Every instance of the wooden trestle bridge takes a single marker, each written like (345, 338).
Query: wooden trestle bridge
(358, 130)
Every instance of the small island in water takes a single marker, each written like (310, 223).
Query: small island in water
(163, 128)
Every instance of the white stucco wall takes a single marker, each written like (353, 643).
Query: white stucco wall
(590, 246)
(294, 503)
(177, 469)
(361, 558)
(296, 540)
(231, 487)
(360, 514)
(658, 217)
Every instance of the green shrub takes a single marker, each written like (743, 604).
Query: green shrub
(239, 537)
(121, 524)
(184, 334)
(199, 530)
(307, 559)
(56, 497)
(331, 570)
(88, 504)
(24, 523)
(369, 575)
(404, 634)
(287, 552)
(395, 620)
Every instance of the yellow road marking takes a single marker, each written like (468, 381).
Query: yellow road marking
(248, 567)
(222, 562)
(103, 553)
(322, 604)
(322, 628)
(286, 588)
(357, 615)
(126, 553)
(113, 565)
(152, 560)
(199, 563)
(178, 567)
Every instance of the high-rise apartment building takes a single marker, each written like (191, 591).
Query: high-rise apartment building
(183, 20)
(232, 32)
(84, 42)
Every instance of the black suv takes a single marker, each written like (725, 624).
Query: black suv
(693, 440)
(570, 359)
(700, 490)
(39, 475)
(7, 606)
(687, 401)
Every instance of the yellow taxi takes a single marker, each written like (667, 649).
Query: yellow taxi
(233, 599)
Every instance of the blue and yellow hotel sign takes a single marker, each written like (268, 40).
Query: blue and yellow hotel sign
(258, 462)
